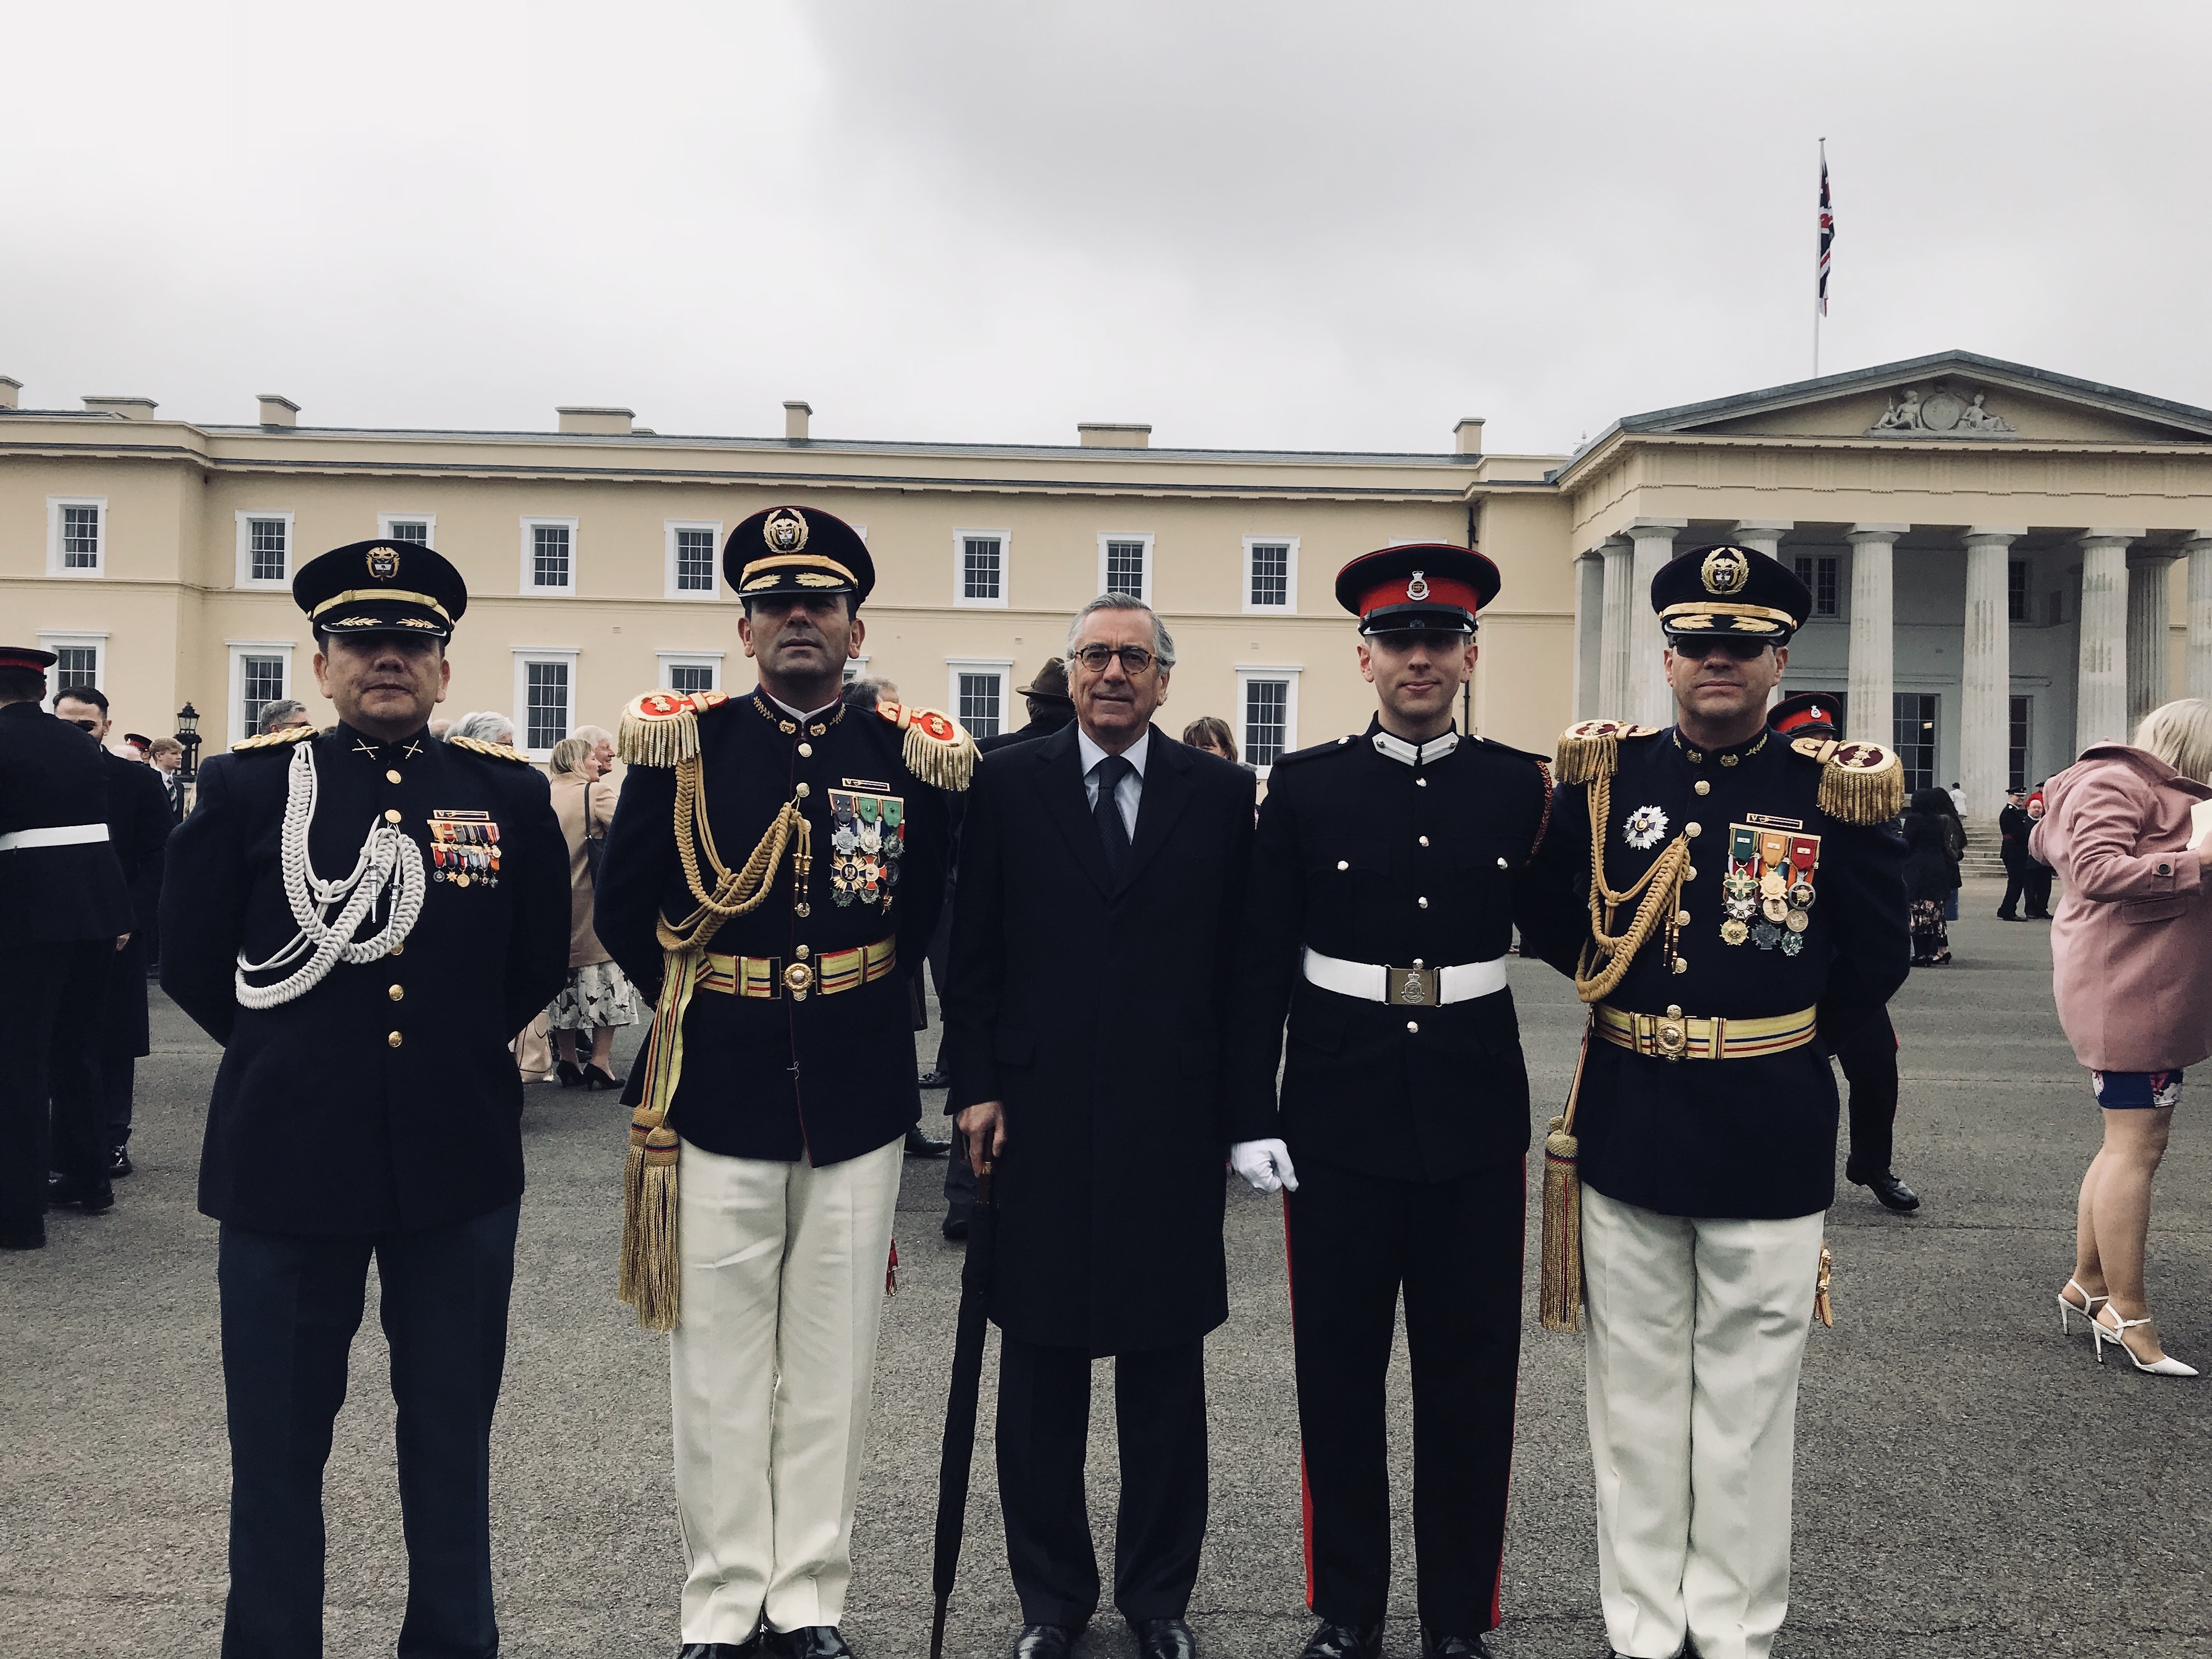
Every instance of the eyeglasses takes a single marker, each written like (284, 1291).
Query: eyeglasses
(1135, 659)
(1741, 650)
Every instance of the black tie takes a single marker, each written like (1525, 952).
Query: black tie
(1106, 811)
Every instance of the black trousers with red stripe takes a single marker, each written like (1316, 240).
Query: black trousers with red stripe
(1454, 1247)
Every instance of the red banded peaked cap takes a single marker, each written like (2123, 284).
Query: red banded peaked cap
(26, 656)
(1418, 585)
(1807, 712)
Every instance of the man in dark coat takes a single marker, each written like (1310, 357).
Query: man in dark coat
(138, 824)
(1102, 878)
(1385, 882)
(2013, 825)
(365, 988)
(65, 910)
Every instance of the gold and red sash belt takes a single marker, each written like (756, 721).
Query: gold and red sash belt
(772, 977)
(1677, 1035)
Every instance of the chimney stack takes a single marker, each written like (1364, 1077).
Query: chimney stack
(1113, 434)
(10, 391)
(130, 408)
(278, 411)
(1467, 436)
(795, 417)
(599, 422)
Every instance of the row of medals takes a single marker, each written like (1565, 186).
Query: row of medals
(1783, 903)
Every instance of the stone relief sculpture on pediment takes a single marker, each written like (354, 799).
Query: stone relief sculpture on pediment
(1939, 411)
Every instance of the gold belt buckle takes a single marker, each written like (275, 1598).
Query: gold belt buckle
(1670, 1036)
(1417, 987)
(799, 979)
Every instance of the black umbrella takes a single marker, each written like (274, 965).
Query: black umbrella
(952, 1468)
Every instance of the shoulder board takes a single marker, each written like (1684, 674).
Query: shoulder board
(495, 750)
(1492, 746)
(284, 740)
(1342, 745)
(937, 749)
(661, 728)
(1591, 749)
(1860, 782)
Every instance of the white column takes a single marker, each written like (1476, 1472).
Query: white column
(2100, 680)
(1985, 704)
(2150, 617)
(1589, 633)
(2199, 550)
(1869, 714)
(1649, 701)
(1613, 667)
(1760, 535)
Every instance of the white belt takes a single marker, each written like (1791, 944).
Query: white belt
(1418, 985)
(61, 835)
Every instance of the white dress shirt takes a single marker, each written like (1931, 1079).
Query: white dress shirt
(1130, 791)
(801, 716)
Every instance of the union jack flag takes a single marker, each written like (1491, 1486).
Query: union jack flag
(1827, 228)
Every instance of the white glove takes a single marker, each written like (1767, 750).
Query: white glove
(1265, 1164)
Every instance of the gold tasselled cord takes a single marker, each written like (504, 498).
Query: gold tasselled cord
(1606, 959)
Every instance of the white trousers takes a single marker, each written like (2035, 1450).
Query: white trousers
(1696, 1329)
(771, 1370)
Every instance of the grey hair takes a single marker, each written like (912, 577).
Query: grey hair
(2181, 734)
(598, 734)
(485, 726)
(282, 709)
(1163, 641)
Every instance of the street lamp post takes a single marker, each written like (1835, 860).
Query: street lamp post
(188, 736)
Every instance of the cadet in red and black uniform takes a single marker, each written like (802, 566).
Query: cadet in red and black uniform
(774, 872)
(1384, 888)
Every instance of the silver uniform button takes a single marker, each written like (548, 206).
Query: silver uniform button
(1342, 864)
(1502, 865)
(1414, 1026)
(1423, 902)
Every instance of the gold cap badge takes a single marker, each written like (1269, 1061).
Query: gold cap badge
(785, 531)
(1726, 570)
(383, 564)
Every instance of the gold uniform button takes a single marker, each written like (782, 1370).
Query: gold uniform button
(803, 953)
(806, 751)
(1693, 828)
(391, 776)
(803, 792)
(1701, 788)
(1414, 1026)
(400, 949)
(1681, 965)
(1689, 873)
(391, 814)
(397, 993)
(1681, 918)
(394, 1040)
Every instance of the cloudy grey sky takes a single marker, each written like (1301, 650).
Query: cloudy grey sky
(1292, 223)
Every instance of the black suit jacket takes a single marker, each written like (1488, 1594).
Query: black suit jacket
(320, 1122)
(50, 777)
(138, 825)
(1095, 1016)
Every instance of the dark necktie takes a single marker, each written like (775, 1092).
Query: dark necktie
(1106, 812)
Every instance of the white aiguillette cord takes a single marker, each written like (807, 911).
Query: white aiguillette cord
(390, 862)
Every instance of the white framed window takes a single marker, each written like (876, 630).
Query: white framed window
(260, 673)
(76, 535)
(1267, 714)
(1125, 564)
(548, 557)
(1270, 575)
(979, 567)
(420, 528)
(979, 693)
(691, 670)
(545, 698)
(264, 549)
(79, 659)
(691, 549)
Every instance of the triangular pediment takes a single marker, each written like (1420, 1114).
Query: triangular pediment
(1953, 395)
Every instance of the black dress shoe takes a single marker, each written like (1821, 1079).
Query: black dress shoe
(1889, 1189)
(955, 1225)
(1452, 1647)
(24, 1238)
(119, 1161)
(809, 1642)
(933, 1078)
(919, 1145)
(1335, 1641)
(571, 1078)
(747, 1648)
(596, 1078)
(92, 1197)
(1043, 1642)
(1162, 1638)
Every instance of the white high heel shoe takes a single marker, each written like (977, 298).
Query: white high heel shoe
(2116, 1334)
(2085, 1310)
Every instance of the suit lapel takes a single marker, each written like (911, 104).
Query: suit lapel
(1060, 781)
(1167, 791)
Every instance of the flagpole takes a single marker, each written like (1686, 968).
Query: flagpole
(1820, 256)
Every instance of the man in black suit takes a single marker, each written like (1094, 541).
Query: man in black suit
(1102, 881)
(64, 909)
(138, 823)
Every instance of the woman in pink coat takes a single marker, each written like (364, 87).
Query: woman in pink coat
(2131, 966)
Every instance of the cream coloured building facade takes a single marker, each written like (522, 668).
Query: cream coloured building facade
(2008, 562)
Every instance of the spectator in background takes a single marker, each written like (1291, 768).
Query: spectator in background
(440, 726)
(603, 756)
(166, 757)
(1958, 795)
(597, 997)
(1211, 733)
(1955, 842)
(283, 715)
(2013, 825)
(136, 747)
(1929, 879)
(2037, 884)
(2128, 950)
(484, 725)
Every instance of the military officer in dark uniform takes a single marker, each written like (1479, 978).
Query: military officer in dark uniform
(364, 918)
(1384, 886)
(776, 863)
(1716, 883)
(65, 912)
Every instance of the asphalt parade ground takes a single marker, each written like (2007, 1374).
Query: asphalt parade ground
(1970, 1482)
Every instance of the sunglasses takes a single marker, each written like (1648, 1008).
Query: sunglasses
(1737, 649)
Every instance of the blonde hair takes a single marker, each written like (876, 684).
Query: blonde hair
(570, 754)
(2181, 734)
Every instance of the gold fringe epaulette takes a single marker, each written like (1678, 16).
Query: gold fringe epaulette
(284, 740)
(495, 750)
(938, 750)
(1591, 750)
(661, 728)
(1860, 782)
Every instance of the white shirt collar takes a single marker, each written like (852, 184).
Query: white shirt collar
(799, 714)
(1093, 754)
(1408, 754)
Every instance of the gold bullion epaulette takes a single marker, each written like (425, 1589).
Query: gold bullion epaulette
(496, 751)
(1591, 749)
(937, 749)
(1860, 782)
(661, 728)
(284, 739)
